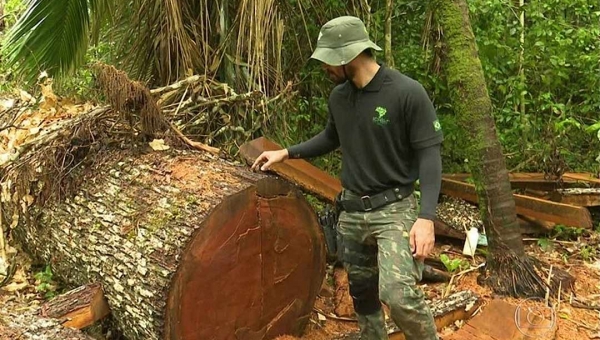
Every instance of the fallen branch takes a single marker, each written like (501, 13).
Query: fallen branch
(195, 145)
(175, 86)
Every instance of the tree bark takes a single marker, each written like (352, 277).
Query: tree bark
(78, 308)
(511, 272)
(185, 246)
(389, 10)
(19, 321)
(2, 21)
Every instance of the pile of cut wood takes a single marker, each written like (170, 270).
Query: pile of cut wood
(541, 202)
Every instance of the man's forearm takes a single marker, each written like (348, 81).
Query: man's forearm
(319, 145)
(430, 179)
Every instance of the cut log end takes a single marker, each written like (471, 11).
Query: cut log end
(78, 308)
(275, 236)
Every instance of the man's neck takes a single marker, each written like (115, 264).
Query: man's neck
(364, 71)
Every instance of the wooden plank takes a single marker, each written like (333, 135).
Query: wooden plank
(594, 181)
(298, 171)
(537, 208)
(537, 181)
(78, 308)
(500, 320)
(583, 197)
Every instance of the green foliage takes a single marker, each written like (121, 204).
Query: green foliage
(561, 62)
(562, 232)
(561, 90)
(52, 36)
(12, 10)
(588, 253)
(545, 244)
(453, 265)
(45, 283)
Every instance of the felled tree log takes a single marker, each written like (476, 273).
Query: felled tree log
(186, 246)
(21, 322)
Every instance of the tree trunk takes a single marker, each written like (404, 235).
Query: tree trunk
(511, 271)
(389, 10)
(2, 22)
(185, 246)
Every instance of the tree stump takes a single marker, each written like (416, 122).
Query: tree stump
(186, 246)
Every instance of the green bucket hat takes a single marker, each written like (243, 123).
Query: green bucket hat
(341, 40)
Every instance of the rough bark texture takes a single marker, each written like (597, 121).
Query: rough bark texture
(389, 10)
(78, 308)
(161, 232)
(27, 324)
(511, 271)
(474, 109)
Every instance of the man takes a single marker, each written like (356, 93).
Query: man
(389, 135)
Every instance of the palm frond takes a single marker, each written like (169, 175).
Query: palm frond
(52, 36)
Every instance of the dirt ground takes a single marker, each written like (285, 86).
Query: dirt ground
(333, 318)
(571, 322)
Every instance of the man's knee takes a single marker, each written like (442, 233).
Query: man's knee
(402, 296)
(365, 293)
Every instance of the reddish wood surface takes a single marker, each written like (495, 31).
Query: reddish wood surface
(582, 198)
(252, 271)
(537, 208)
(537, 181)
(507, 324)
(297, 171)
(78, 308)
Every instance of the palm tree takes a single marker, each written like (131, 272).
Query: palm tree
(158, 41)
(510, 270)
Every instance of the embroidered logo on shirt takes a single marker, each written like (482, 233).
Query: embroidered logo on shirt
(436, 125)
(380, 119)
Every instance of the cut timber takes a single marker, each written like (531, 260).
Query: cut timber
(458, 306)
(456, 216)
(544, 210)
(78, 308)
(538, 181)
(500, 320)
(298, 171)
(22, 321)
(583, 197)
(587, 178)
(185, 245)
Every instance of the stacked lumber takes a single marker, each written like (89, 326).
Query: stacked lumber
(550, 201)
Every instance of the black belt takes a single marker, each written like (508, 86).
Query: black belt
(372, 202)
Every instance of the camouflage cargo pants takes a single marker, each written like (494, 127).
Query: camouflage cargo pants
(374, 247)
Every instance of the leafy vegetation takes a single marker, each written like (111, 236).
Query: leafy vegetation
(45, 283)
(545, 90)
(454, 265)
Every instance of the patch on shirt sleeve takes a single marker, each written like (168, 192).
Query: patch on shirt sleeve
(436, 125)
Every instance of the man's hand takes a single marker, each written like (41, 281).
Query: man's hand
(422, 238)
(269, 158)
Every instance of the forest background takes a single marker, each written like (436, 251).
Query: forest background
(541, 60)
